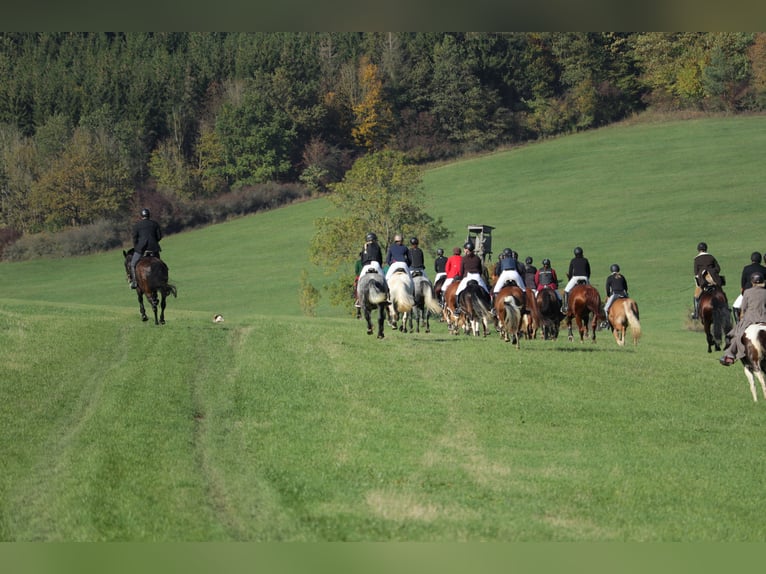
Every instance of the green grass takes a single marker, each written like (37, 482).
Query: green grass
(274, 426)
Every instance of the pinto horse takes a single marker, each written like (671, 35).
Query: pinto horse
(477, 307)
(402, 292)
(623, 314)
(715, 315)
(550, 313)
(508, 312)
(151, 280)
(371, 291)
(754, 360)
(585, 307)
(425, 303)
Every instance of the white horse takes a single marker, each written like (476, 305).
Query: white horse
(401, 290)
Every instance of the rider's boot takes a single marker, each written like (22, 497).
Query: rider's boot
(736, 314)
(564, 304)
(132, 277)
(696, 313)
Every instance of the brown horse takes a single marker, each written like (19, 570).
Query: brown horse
(508, 312)
(551, 316)
(151, 280)
(623, 314)
(476, 305)
(715, 315)
(584, 307)
(450, 304)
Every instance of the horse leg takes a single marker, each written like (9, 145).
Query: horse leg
(141, 305)
(751, 381)
(569, 328)
(381, 320)
(761, 380)
(153, 301)
(162, 309)
(368, 319)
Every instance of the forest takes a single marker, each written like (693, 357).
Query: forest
(203, 126)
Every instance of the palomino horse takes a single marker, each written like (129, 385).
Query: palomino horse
(584, 307)
(508, 305)
(477, 307)
(550, 313)
(754, 360)
(372, 295)
(715, 316)
(623, 314)
(151, 280)
(425, 303)
(402, 293)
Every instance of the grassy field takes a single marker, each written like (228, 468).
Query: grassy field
(277, 427)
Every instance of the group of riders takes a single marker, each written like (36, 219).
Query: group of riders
(468, 266)
(750, 305)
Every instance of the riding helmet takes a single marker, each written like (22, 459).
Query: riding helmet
(578, 251)
(546, 261)
(507, 252)
(469, 246)
(440, 252)
(756, 278)
(413, 241)
(755, 257)
(702, 246)
(397, 237)
(371, 237)
(528, 261)
(145, 213)
(614, 268)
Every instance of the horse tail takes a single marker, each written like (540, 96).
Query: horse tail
(376, 292)
(401, 293)
(631, 312)
(512, 313)
(170, 289)
(721, 320)
(432, 304)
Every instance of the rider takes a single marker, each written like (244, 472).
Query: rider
(706, 272)
(747, 271)
(417, 259)
(579, 270)
(753, 311)
(398, 258)
(440, 265)
(372, 260)
(545, 278)
(616, 286)
(470, 269)
(452, 268)
(529, 274)
(507, 269)
(146, 239)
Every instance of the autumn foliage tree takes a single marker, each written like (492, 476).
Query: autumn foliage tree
(380, 193)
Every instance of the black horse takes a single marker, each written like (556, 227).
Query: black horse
(715, 316)
(550, 313)
(151, 280)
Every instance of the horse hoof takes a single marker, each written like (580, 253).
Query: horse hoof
(369, 332)
(162, 322)
(144, 318)
(380, 336)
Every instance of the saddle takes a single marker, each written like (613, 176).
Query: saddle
(417, 273)
(150, 254)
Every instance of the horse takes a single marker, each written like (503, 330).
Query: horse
(151, 280)
(550, 313)
(425, 303)
(754, 361)
(439, 291)
(372, 295)
(477, 307)
(402, 293)
(508, 312)
(530, 319)
(715, 315)
(623, 314)
(450, 304)
(584, 303)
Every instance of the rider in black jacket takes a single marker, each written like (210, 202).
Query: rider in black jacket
(146, 238)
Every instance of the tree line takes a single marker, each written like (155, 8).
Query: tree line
(92, 123)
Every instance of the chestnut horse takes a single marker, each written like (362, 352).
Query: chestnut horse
(508, 311)
(623, 314)
(584, 307)
(715, 315)
(476, 305)
(550, 313)
(450, 304)
(151, 280)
